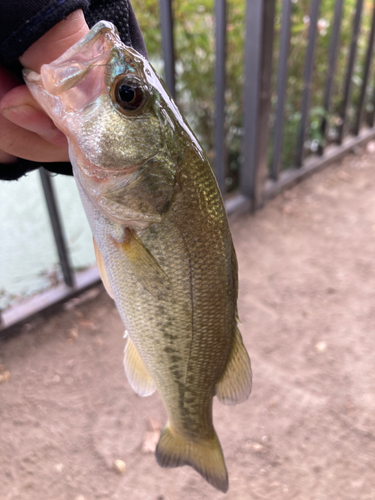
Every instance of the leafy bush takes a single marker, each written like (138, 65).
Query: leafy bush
(195, 59)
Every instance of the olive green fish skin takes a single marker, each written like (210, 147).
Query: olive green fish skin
(184, 335)
(159, 222)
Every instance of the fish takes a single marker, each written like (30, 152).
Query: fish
(161, 235)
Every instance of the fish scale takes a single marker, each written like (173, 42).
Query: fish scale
(161, 237)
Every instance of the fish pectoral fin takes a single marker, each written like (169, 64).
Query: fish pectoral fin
(205, 456)
(136, 371)
(234, 385)
(102, 270)
(145, 267)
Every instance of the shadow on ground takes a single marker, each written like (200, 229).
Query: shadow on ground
(307, 306)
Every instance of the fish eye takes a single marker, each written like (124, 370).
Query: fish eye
(129, 94)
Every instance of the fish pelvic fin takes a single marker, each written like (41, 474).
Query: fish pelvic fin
(234, 385)
(205, 456)
(101, 269)
(139, 378)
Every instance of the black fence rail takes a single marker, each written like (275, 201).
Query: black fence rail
(261, 174)
(258, 181)
(347, 137)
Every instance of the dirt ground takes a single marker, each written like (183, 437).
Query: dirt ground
(307, 306)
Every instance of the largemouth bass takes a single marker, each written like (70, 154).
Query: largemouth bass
(161, 236)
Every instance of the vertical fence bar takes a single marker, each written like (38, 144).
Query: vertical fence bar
(349, 72)
(260, 16)
(282, 76)
(220, 146)
(166, 23)
(370, 118)
(57, 227)
(307, 81)
(333, 52)
(366, 73)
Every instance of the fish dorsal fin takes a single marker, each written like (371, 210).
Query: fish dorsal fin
(145, 267)
(102, 271)
(138, 376)
(234, 385)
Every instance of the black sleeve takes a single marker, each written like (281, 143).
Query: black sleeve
(25, 21)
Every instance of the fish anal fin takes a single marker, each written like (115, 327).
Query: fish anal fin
(145, 267)
(205, 456)
(102, 271)
(234, 385)
(136, 371)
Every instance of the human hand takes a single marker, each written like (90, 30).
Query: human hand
(25, 130)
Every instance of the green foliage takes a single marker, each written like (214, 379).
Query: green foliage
(195, 59)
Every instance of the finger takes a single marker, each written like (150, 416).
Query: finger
(55, 42)
(25, 142)
(30, 119)
(17, 96)
(22, 143)
(7, 82)
(19, 107)
(6, 158)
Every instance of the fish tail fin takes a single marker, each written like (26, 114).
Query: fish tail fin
(205, 456)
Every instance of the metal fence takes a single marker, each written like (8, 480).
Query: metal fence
(363, 129)
(258, 179)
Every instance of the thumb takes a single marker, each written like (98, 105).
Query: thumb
(55, 42)
(25, 132)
